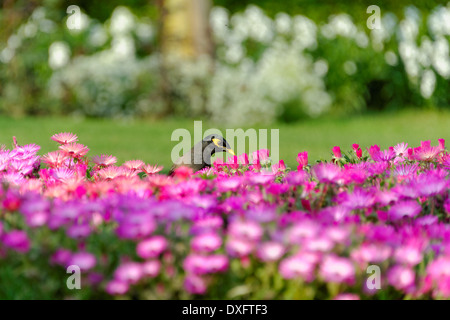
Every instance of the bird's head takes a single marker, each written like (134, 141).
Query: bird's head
(216, 143)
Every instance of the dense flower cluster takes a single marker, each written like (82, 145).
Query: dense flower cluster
(243, 228)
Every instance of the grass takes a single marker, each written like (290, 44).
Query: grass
(151, 142)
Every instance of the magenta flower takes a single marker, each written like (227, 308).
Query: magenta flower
(297, 267)
(151, 268)
(401, 277)
(205, 264)
(278, 167)
(237, 247)
(207, 242)
(373, 150)
(243, 159)
(270, 251)
(347, 296)
(401, 149)
(17, 240)
(372, 252)
(359, 153)
(406, 208)
(358, 199)
(129, 272)
(304, 229)
(337, 269)
(408, 255)
(195, 284)
(84, 260)
(426, 152)
(249, 230)
(61, 257)
(337, 152)
(327, 172)
(117, 287)
(302, 160)
(383, 156)
(151, 247)
(229, 184)
(260, 156)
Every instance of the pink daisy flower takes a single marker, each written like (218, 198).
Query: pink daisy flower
(104, 160)
(110, 173)
(65, 137)
(149, 169)
(347, 296)
(401, 149)
(54, 159)
(75, 150)
(134, 164)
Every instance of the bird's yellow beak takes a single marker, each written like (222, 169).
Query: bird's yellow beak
(217, 141)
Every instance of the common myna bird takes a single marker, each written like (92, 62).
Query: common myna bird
(200, 155)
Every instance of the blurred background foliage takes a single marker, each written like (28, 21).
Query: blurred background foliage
(271, 60)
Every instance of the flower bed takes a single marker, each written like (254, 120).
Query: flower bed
(241, 229)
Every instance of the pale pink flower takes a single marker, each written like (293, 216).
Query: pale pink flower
(117, 287)
(110, 173)
(134, 164)
(75, 150)
(104, 160)
(347, 296)
(54, 159)
(149, 169)
(65, 137)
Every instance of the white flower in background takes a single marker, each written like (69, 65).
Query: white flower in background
(428, 84)
(350, 67)
(58, 54)
(260, 27)
(98, 35)
(321, 67)
(304, 32)
(38, 14)
(441, 58)
(14, 42)
(339, 25)
(144, 31)
(47, 26)
(409, 29)
(409, 53)
(6, 55)
(122, 21)
(391, 58)
(123, 46)
(29, 30)
(234, 53)
(439, 21)
(362, 40)
(283, 23)
(219, 22)
(425, 52)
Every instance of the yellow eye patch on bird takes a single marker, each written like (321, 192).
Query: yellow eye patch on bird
(217, 143)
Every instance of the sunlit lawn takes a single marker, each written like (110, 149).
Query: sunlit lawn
(151, 142)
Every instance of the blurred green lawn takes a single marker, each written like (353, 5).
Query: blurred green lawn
(151, 142)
